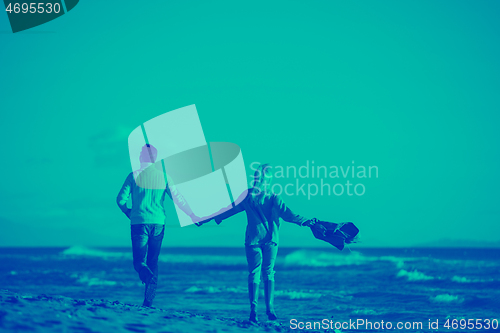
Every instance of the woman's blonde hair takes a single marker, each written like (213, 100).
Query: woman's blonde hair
(261, 189)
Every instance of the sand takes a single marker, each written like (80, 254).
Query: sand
(44, 313)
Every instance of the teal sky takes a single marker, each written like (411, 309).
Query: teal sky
(410, 87)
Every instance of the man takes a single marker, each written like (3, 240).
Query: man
(147, 188)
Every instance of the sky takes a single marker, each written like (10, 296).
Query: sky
(412, 88)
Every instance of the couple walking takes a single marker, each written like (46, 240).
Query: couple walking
(264, 210)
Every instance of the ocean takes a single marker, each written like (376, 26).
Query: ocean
(405, 286)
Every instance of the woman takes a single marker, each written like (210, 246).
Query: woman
(263, 209)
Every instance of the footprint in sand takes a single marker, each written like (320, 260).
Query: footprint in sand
(140, 328)
(50, 323)
(81, 329)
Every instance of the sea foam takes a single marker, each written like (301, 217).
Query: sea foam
(93, 281)
(414, 275)
(460, 279)
(204, 259)
(213, 290)
(446, 298)
(327, 259)
(291, 294)
(84, 251)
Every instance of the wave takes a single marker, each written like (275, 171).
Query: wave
(461, 279)
(213, 290)
(327, 259)
(298, 258)
(204, 259)
(364, 312)
(85, 279)
(446, 298)
(85, 251)
(414, 275)
(467, 263)
(207, 260)
(291, 294)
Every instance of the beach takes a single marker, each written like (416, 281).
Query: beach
(45, 313)
(79, 289)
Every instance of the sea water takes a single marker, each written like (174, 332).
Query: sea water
(374, 285)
